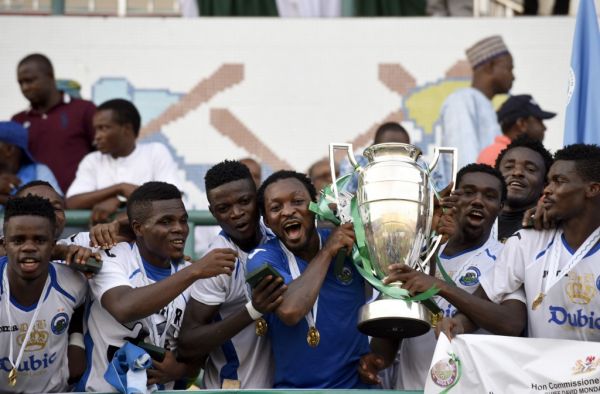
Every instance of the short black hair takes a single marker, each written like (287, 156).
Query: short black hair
(476, 167)
(225, 172)
(140, 201)
(586, 158)
(390, 126)
(124, 112)
(30, 206)
(41, 60)
(525, 141)
(35, 183)
(284, 174)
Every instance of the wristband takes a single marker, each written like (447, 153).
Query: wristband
(76, 339)
(254, 314)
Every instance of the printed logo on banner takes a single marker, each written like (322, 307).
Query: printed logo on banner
(444, 372)
(588, 365)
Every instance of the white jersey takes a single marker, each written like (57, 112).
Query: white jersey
(571, 309)
(123, 266)
(79, 239)
(245, 357)
(44, 366)
(466, 269)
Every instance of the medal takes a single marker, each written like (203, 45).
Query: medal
(313, 337)
(436, 318)
(261, 327)
(12, 377)
(537, 301)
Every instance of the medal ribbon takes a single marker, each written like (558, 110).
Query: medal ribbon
(38, 308)
(311, 316)
(553, 276)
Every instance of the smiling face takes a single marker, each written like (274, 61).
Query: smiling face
(564, 196)
(161, 237)
(234, 207)
(479, 204)
(287, 214)
(28, 241)
(523, 170)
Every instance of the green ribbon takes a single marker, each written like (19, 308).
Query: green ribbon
(444, 273)
(456, 360)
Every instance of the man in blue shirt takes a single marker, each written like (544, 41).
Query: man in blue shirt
(313, 332)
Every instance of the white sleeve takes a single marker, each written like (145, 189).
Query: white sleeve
(213, 291)
(79, 239)
(507, 276)
(165, 168)
(85, 178)
(74, 283)
(115, 270)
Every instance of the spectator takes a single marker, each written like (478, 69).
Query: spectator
(313, 332)
(387, 132)
(106, 178)
(16, 164)
(467, 117)
(60, 126)
(519, 115)
(141, 292)
(320, 174)
(255, 169)
(39, 291)
(218, 321)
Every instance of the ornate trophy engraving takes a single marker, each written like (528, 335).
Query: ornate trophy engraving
(394, 203)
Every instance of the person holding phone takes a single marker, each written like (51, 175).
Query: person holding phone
(221, 322)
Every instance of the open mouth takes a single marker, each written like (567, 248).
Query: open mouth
(516, 185)
(29, 264)
(177, 243)
(241, 226)
(293, 230)
(476, 216)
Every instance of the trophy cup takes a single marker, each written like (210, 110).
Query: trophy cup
(395, 205)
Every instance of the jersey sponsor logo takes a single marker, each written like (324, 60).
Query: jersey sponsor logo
(581, 288)
(59, 323)
(470, 277)
(579, 319)
(32, 363)
(12, 328)
(38, 338)
(345, 276)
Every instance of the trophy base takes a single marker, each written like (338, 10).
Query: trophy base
(391, 318)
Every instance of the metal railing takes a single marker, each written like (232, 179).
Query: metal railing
(92, 7)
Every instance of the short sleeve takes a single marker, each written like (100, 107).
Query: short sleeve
(114, 272)
(213, 291)
(274, 258)
(72, 283)
(85, 178)
(507, 276)
(79, 239)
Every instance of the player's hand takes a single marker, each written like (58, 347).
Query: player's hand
(166, 371)
(341, 237)
(412, 280)
(267, 295)
(8, 183)
(450, 326)
(107, 235)
(126, 189)
(103, 210)
(215, 262)
(80, 255)
(537, 217)
(368, 368)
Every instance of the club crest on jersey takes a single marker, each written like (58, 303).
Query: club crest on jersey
(59, 323)
(38, 338)
(581, 288)
(345, 276)
(470, 277)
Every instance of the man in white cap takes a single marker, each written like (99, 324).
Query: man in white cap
(468, 118)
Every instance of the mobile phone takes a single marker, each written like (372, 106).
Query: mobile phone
(156, 353)
(254, 277)
(91, 265)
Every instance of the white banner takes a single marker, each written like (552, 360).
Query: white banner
(496, 364)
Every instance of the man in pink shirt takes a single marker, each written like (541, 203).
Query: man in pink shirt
(517, 116)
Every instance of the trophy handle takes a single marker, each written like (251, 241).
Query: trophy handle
(436, 156)
(350, 152)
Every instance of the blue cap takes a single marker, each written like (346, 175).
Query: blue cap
(15, 134)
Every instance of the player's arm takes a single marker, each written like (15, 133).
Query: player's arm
(382, 355)
(127, 304)
(87, 200)
(302, 292)
(200, 334)
(76, 350)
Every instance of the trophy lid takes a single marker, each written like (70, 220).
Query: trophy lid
(392, 151)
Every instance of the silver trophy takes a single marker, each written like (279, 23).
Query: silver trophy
(395, 205)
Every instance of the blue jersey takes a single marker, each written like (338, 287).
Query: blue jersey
(334, 362)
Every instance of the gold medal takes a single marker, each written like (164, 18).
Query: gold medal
(537, 301)
(261, 327)
(12, 377)
(313, 337)
(436, 318)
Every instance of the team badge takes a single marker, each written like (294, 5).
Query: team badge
(60, 323)
(344, 276)
(470, 277)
